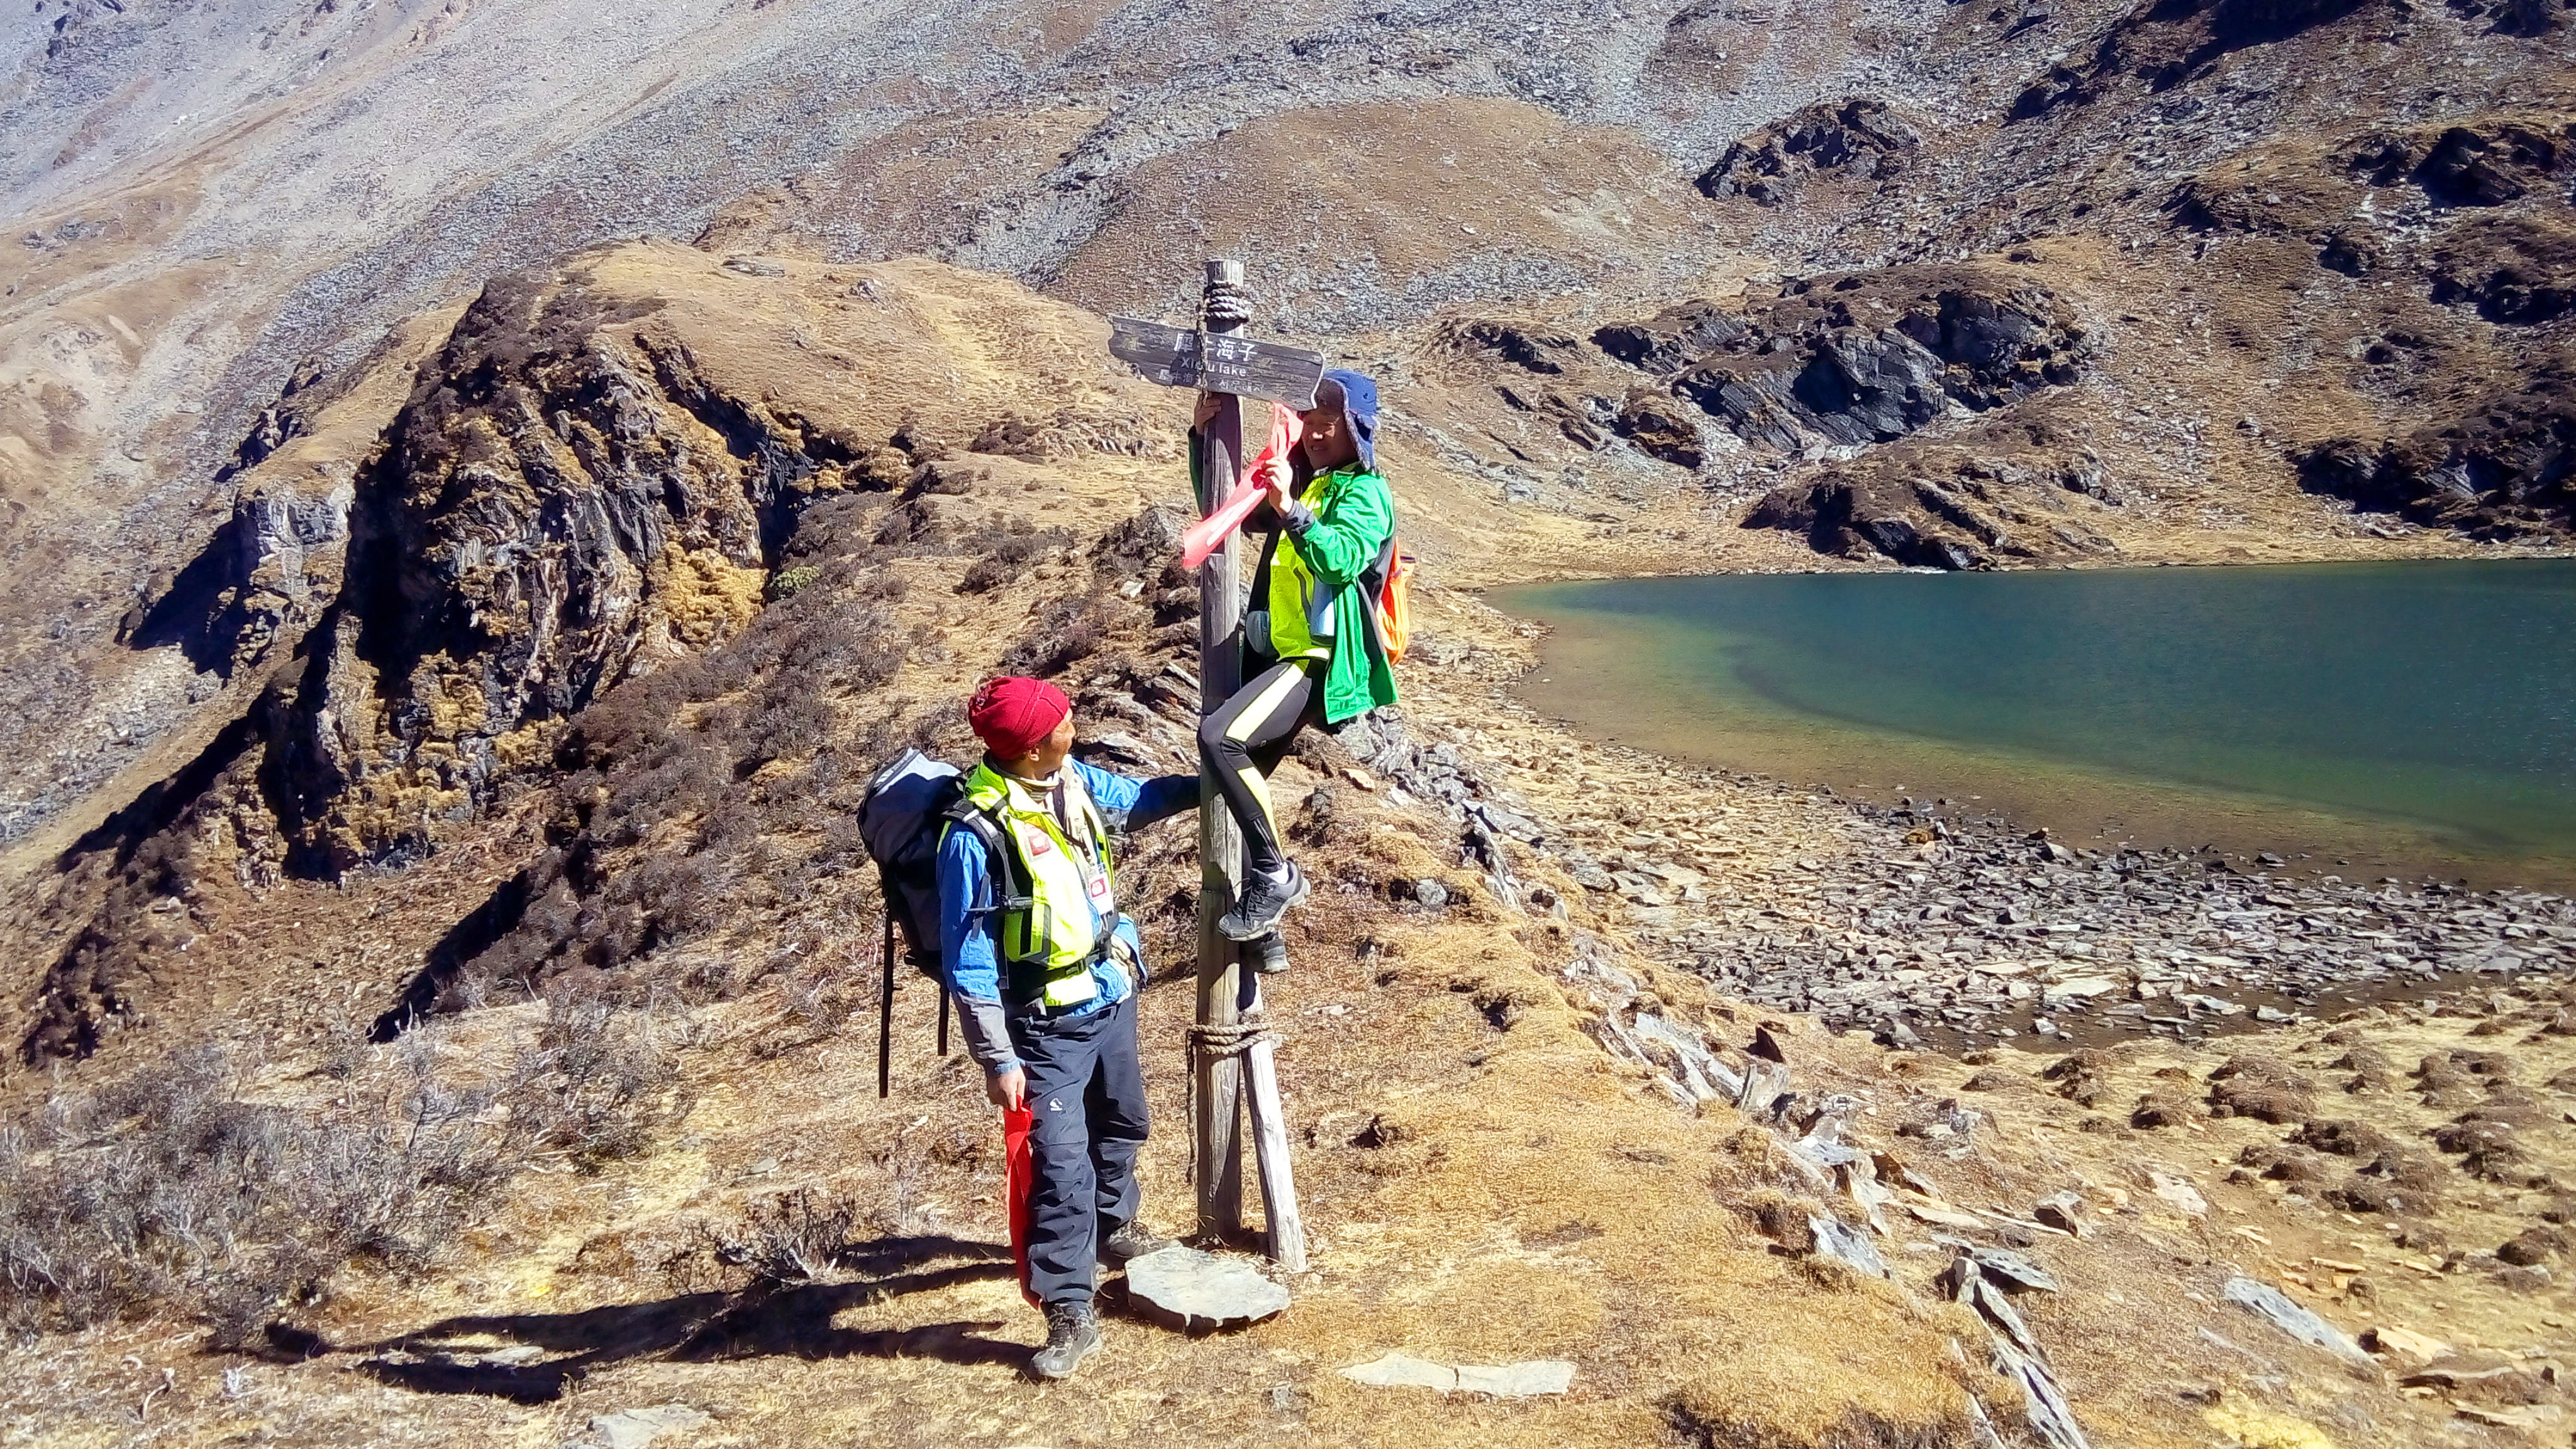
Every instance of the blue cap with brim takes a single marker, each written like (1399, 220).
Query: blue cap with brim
(1359, 405)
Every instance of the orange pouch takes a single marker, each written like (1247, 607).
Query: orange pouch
(1395, 605)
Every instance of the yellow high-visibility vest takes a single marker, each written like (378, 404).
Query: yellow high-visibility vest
(1294, 607)
(1072, 891)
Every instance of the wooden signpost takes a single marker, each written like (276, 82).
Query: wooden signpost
(1213, 361)
(1231, 1056)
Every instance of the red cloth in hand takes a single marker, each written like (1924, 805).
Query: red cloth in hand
(1019, 1171)
(1208, 534)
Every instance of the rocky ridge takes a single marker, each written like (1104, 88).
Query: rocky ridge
(1861, 138)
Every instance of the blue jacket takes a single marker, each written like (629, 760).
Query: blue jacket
(970, 964)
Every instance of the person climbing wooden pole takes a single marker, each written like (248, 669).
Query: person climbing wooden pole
(1233, 1064)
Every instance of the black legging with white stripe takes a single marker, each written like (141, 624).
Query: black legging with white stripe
(1244, 740)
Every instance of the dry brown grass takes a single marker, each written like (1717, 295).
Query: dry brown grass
(1483, 1183)
(2257, 1086)
(179, 1190)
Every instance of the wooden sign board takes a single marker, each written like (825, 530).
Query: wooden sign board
(1213, 362)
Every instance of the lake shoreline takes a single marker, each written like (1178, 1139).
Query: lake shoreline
(1998, 934)
(1963, 932)
(1962, 928)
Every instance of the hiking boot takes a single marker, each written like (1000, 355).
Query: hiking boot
(1132, 1240)
(1266, 955)
(1073, 1331)
(1265, 899)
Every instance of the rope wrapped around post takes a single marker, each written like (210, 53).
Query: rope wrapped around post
(1209, 1043)
(1225, 305)
(1232, 1039)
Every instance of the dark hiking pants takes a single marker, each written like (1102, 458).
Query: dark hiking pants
(1086, 1099)
(1247, 736)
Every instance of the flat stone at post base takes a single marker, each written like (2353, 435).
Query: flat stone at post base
(1195, 1291)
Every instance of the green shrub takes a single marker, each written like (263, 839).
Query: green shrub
(786, 583)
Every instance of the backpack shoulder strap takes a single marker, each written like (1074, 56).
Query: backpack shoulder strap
(1373, 577)
(1011, 889)
(1372, 584)
(1260, 595)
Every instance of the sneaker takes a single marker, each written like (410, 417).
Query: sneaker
(1132, 1240)
(1073, 1331)
(1265, 899)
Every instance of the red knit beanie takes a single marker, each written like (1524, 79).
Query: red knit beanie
(1013, 715)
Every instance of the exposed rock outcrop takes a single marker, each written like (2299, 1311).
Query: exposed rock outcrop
(1965, 516)
(1660, 427)
(1858, 358)
(1666, 342)
(2515, 17)
(2506, 470)
(1839, 514)
(2485, 162)
(561, 503)
(1529, 347)
(1581, 421)
(2164, 43)
(269, 570)
(2516, 272)
(1860, 137)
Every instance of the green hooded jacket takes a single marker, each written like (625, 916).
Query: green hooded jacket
(1340, 540)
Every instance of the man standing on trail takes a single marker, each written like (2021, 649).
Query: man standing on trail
(1045, 973)
(1311, 628)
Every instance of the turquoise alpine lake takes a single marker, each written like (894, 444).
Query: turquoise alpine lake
(2404, 717)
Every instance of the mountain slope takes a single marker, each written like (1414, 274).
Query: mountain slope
(451, 631)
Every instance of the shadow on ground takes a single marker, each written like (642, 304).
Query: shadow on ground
(540, 1353)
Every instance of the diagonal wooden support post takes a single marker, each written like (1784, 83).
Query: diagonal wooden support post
(1285, 1226)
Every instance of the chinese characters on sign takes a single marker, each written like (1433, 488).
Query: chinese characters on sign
(1217, 363)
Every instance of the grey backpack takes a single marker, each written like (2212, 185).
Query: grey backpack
(909, 804)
